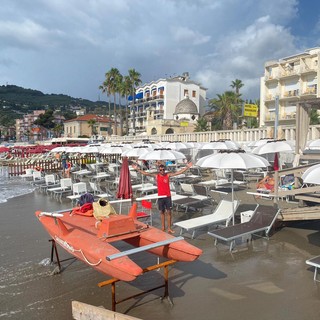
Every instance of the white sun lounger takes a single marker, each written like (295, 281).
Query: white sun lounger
(222, 214)
(314, 262)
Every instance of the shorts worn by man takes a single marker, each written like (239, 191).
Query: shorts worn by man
(163, 184)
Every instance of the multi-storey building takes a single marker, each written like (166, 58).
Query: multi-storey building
(157, 100)
(286, 82)
(24, 125)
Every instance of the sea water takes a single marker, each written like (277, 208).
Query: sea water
(11, 187)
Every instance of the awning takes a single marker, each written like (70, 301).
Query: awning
(137, 96)
(160, 88)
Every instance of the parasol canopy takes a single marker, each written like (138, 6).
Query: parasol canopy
(163, 154)
(273, 146)
(236, 159)
(312, 175)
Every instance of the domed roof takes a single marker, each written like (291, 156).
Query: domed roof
(186, 106)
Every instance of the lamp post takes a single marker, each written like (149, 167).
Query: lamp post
(276, 118)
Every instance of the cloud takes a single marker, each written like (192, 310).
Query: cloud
(189, 37)
(242, 54)
(67, 46)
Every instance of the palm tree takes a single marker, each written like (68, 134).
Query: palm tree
(237, 85)
(58, 129)
(135, 80)
(202, 125)
(125, 91)
(113, 78)
(226, 108)
(92, 124)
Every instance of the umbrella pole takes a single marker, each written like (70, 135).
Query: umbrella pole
(232, 197)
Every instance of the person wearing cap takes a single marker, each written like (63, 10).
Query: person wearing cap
(163, 184)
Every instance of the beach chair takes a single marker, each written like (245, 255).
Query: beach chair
(50, 181)
(64, 188)
(28, 175)
(262, 221)
(78, 189)
(314, 262)
(145, 212)
(97, 191)
(222, 214)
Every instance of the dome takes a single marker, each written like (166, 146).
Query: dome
(186, 106)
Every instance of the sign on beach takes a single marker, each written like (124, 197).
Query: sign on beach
(250, 110)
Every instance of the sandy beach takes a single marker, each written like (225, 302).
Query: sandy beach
(266, 279)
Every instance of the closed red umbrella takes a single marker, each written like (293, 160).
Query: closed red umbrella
(125, 187)
(276, 162)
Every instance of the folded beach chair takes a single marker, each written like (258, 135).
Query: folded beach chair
(222, 214)
(262, 221)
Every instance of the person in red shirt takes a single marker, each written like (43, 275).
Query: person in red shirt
(163, 184)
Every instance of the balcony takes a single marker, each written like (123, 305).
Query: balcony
(269, 97)
(290, 94)
(309, 92)
(289, 74)
(270, 78)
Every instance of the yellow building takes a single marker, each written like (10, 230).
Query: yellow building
(80, 126)
(286, 82)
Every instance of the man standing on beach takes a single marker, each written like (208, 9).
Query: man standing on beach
(163, 184)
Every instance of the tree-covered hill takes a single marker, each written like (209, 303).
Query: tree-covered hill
(16, 101)
(12, 94)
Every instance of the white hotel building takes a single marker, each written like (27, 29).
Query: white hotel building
(289, 80)
(155, 104)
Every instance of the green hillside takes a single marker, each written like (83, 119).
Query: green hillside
(20, 96)
(16, 101)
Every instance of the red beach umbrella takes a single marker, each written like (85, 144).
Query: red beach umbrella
(4, 149)
(125, 187)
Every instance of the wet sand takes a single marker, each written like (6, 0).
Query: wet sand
(265, 279)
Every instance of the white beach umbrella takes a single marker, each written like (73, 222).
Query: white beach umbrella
(146, 145)
(119, 149)
(178, 145)
(313, 144)
(312, 175)
(232, 160)
(274, 146)
(61, 149)
(163, 154)
(136, 152)
(90, 149)
(76, 149)
(221, 145)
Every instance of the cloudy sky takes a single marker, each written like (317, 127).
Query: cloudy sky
(66, 46)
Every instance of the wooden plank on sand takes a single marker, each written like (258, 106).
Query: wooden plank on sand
(85, 311)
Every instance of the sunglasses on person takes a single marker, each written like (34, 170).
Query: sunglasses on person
(161, 169)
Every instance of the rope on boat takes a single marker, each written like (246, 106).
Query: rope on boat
(85, 258)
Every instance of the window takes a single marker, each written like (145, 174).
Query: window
(185, 92)
(194, 94)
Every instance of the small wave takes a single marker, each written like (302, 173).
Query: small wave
(45, 262)
(13, 187)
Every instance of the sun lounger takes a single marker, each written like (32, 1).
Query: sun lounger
(222, 214)
(314, 262)
(261, 221)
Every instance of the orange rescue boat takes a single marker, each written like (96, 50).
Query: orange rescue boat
(79, 236)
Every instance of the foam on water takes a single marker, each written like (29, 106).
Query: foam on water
(13, 187)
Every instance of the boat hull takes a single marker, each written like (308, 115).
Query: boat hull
(79, 236)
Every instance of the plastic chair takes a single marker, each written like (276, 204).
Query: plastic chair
(145, 215)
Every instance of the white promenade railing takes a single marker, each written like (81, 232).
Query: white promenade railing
(239, 135)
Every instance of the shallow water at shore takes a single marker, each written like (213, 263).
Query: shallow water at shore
(262, 279)
(11, 187)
